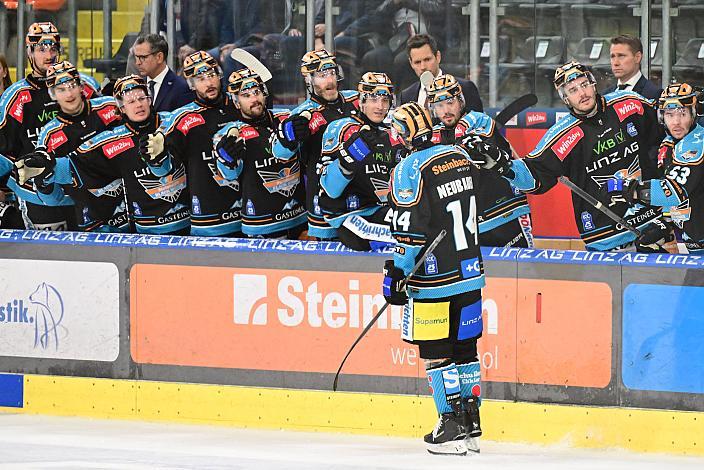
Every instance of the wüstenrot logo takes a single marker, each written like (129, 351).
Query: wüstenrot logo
(250, 299)
(304, 300)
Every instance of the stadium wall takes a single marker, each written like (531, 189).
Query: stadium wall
(588, 349)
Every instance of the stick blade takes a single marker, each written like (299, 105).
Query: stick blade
(516, 107)
(251, 62)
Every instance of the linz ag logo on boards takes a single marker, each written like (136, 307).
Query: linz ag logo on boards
(297, 300)
(56, 140)
(567, 142)
(316, 122)
(190, 121)
(17, 109)
(113, 149)
(536, 117)
(627, 108)
(248, 132)
(107, 115)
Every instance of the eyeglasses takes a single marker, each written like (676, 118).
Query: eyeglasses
(577, 88)
(142, 58)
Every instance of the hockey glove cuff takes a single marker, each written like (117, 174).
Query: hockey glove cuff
(391, 286)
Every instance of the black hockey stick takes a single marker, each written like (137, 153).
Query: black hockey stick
(599, 205)
(517, 106)
(383, 308)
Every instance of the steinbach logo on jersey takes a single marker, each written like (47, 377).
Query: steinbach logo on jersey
(190, 121)
(567, 142)
(56, 140)
(283, 181)
(113, 149)
(17, 109)
(627, 108)
(167, 188)
(107, 114)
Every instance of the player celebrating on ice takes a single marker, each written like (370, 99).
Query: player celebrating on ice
(434, 189)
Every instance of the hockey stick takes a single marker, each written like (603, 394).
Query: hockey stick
(517, 106)
(383, 308)
(599, 205)
(252, 63)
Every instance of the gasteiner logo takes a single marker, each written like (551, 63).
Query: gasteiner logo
(190, 121)
(17, 108)
(316, 122)
(627, 108)
(56, 140)
(113, 149)
(565, 145)
(249, 132)
(534, 118)
(302, 300)
(108, 114)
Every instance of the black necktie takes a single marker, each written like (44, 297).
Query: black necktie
(152, 84)
(623, 86)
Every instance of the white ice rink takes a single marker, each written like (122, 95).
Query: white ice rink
(40, 442)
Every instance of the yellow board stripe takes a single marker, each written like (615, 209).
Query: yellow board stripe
(677, 432)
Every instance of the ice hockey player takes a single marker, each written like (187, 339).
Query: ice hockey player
(155, 188)
(188, 135)
(79, 119)
(504, 215)
(361, 150)
(616, 135)
(432, 189)
(681, 191)
(303, 129)
(25, 107)
(272, 190)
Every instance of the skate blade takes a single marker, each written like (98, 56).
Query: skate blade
(472, 444)
(448, 448)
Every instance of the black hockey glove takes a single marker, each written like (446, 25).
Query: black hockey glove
(487, 154)
(231, 149)
(391, 286)
(355, 150)
(655, 235)
(630, 191)
(38, 165)
(152, 149)
(294, 130)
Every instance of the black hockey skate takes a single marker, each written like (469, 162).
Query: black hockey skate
(472, 423)
(448, 437)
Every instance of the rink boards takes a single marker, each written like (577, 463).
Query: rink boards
(589, 349)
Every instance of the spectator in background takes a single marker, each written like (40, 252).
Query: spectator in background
(626, 54)
(5, 80)
(168, 91)
(423, 54)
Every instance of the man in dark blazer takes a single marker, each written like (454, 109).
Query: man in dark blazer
(423, 54)
(168, 90)
(626, 54)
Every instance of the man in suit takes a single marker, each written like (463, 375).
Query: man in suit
(626, 54)
(168, 90)
(423, 54)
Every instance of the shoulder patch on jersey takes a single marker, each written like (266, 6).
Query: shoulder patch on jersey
(567, 142)
(55, 140)
(17, 107)
(690, 149)
(555, 133)
(107, 112)
(316, 122)
(628, 107)
(114, 148)
(189, 121)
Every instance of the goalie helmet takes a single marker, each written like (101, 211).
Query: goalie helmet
(570, 72)
(60, 73)
(678, 95)
(412, 123)
(244, 79)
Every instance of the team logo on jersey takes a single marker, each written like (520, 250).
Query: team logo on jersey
(112, 189)
(381, 188)
(631, 129)
(283, 181)
(633, 171)
(17, 108)
(567, 142)
(56, 140)
(167, 188)
(115, 148)
(316, 122)
(628, 108)
(190, 121)
(107, 114)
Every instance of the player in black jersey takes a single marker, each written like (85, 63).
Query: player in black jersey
(361, 151)
(504, 215)
(303, 129)
(434, 189)
(188, 135)
(272, 189)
